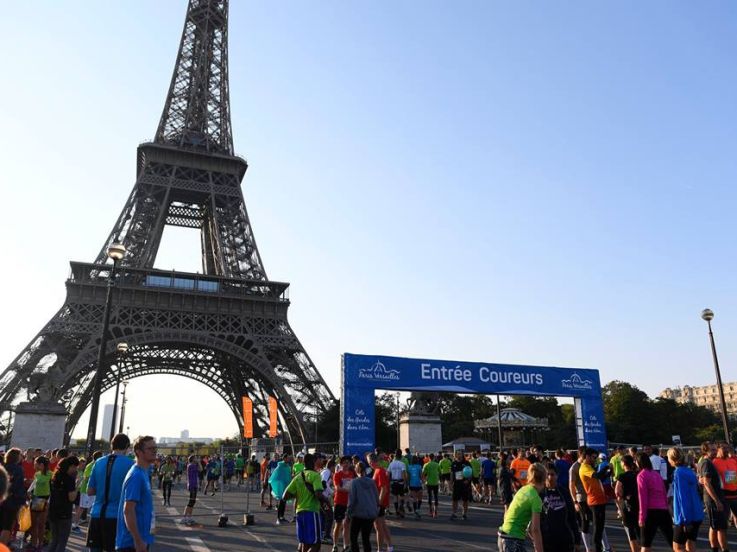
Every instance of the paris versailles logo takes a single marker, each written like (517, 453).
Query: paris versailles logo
(576, 382)
(378, 372)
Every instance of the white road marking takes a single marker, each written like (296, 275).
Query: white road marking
(251, 534)
(259, 539)
(196, 544)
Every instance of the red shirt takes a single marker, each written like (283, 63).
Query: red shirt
(381, 478)
(29, 472)
(342, 481)
(727, 468)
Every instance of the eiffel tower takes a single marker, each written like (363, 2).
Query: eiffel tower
(226, 327)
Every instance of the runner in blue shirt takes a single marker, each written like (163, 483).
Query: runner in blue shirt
(103, 525)
(136, 520)
(488, 474)
(229, 466)
(213, 474)
(414, 470)
(688, 511)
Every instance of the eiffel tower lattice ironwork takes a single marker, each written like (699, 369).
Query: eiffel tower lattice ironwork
(226, 327)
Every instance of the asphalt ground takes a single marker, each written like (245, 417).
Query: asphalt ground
(408, 534)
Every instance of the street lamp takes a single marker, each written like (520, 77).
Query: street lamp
(122, 408)
(399, 442)
(708, 315)
(499, 423)
(116, 251)
(122, 350)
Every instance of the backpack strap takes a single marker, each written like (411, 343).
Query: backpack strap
(108, 473)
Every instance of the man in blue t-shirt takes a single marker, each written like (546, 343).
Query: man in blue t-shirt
(136, 520)
(103, 526)
(488, 475)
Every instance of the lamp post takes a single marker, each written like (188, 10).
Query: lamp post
(116, 252)
(499, 422)
(399, 442)
(122, 350)
(708, 315)
(122, 408)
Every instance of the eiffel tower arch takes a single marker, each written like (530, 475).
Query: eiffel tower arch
(226, 327)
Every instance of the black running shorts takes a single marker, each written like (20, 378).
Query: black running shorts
(688, 532)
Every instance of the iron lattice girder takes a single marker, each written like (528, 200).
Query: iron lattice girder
(194, 189)
(185, 216)
(227, 327)
(208, 366)
(243, 319)
(197, 110)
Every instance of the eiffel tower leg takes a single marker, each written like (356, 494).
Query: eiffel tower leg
(39, 371)
(225, 367)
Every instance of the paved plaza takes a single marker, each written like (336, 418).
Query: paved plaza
(409, 534)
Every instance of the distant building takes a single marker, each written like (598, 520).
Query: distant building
(706, 395)
(107, 421)
(187, 440)
(184, 434)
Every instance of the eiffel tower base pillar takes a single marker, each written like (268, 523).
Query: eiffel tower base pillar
(420, 433)
(39, 425)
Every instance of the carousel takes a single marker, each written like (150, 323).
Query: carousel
(518, 428)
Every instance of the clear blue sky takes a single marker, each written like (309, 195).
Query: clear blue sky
(535, 183)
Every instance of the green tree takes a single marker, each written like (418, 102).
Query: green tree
(328, 425)
(632, 417)
(628, 413)
(562, 428)
(386, 420)
(458, 412)
(713, 432)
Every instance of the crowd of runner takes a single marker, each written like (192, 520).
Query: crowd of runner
(560, 502)
(556, 500)
(48, 495)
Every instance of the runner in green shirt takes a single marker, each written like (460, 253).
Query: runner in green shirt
(616, 463)
(475, 476)
(299, 464)
(87, 473)
(405, 457)
(166, 472)
(306, 489)
(239, 465)
(524, 510)
(85, 501)
(40, 501)
(431, 476)
(445, 464)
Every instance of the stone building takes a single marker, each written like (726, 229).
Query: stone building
(705, 395)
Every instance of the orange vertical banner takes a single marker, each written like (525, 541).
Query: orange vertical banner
(247, 417)
(272, 417)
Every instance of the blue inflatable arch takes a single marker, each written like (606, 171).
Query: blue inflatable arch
(362, 375)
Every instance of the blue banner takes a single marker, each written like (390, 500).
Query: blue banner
(363, 374)
(594, 432)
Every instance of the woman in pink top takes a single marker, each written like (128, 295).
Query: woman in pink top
(654, 512)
